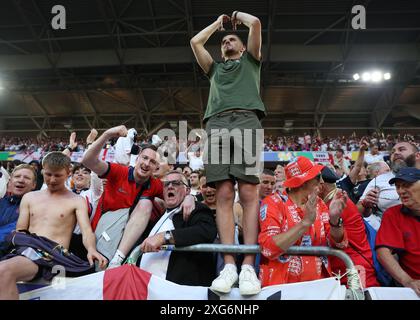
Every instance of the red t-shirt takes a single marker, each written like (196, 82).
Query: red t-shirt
(121, 190)
(358, 246)
(400, 232)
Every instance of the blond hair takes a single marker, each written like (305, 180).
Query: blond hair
(25, 166)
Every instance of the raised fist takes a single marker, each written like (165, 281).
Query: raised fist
(116, 132)
(72, 140)
(92, 136)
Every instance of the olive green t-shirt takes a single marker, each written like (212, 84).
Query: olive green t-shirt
(235, 84)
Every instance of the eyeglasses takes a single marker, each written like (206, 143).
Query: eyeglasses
(175, 183)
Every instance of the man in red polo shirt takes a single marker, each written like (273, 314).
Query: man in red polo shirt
(123, 186)
(400, 231)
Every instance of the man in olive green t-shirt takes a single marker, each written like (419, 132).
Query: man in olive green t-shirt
(235, 106)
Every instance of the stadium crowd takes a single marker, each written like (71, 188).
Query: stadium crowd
(90, 215)
(305, 142)
(373, 194)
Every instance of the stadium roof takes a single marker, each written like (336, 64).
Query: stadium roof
(125, 61)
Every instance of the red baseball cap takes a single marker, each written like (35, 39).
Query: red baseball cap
(299, 171)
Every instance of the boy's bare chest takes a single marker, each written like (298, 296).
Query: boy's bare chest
(55, 209)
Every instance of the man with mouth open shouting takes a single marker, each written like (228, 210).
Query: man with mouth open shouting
(123, 187)
(186, 268)
(22, 181)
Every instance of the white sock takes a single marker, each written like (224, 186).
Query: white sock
(118, 257)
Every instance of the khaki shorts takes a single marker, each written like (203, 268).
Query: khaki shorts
(231, 148)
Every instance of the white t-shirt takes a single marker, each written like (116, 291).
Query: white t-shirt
(388, 196)
(195, 192)
(370, 158)
(196, 163)
(123, 148)
(92, 195)
(3, 181)
(157, 262)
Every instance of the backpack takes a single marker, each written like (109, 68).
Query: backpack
(382, 276)
(110, 230)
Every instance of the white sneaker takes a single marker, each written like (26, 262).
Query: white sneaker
(227, 278)
(248, 281)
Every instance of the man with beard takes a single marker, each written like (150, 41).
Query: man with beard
(379, 195)
(125, 186)
(23, 180)
(234, 108)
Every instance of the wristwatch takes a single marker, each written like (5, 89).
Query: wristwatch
(70, 148)
(168, 237)
(338, 225)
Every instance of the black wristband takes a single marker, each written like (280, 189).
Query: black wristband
(70, 149)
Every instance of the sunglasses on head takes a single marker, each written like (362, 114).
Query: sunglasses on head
(175, 183)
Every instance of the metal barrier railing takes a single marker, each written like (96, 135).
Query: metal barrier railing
(354, 291)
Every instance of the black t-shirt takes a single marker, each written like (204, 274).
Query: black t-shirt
(358, 190)
(354, 191)
(345, 185)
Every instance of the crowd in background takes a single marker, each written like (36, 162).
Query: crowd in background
(305, 142)
(358, 178)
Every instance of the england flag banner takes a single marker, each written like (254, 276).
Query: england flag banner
(129, 282)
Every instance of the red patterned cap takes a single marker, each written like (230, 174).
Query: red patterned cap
(299, 171)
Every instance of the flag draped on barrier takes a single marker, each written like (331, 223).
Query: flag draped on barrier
(129, 282)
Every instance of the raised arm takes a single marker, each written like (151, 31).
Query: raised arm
(203, 57)
(273, 241)
(254, 35)
(72, 145)
(354, 173)
(91, 157)
(96, 184)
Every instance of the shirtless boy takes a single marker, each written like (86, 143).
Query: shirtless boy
(44, 229)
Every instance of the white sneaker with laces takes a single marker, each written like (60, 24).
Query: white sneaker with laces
(227, 278)
(248, 281)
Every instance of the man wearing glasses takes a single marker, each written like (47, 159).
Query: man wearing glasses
(186, 268)
(123, 187)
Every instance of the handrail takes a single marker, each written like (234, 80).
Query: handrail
(353, 282)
